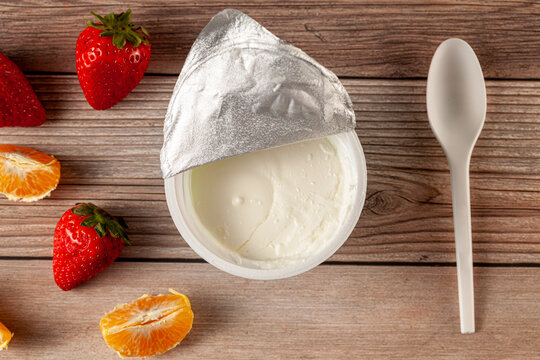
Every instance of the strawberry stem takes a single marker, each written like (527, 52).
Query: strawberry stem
(120, 27)
(101, 221)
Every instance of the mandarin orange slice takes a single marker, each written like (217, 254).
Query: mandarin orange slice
(27, 174)
(5, 337)
(148, 326)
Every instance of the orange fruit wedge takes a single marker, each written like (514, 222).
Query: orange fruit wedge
(5, 337)
(27, 174)
(148, 326)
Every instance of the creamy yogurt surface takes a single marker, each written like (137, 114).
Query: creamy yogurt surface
(271, 208)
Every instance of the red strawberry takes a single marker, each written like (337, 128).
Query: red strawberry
(86, 241)
(111, 58)
(19, 105)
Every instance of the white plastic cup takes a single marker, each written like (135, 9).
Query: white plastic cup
(205, 246)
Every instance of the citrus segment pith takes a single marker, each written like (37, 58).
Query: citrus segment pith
(148, 326)
(27, 174)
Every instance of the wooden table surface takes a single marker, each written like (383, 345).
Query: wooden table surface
(390, 291)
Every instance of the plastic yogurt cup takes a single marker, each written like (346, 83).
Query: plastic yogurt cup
(270, 220)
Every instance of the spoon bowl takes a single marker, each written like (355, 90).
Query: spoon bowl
(456, 107)
(456, 96)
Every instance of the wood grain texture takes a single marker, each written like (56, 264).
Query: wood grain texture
(332, 312)
(336, 311)
(112, 158)
(382, 38)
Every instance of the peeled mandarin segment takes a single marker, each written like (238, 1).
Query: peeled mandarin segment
(5, 337)
(27, 174)
(148, 326)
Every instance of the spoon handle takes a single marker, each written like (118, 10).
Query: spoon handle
(459, 172)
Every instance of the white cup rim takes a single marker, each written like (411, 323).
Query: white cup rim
(352, 143)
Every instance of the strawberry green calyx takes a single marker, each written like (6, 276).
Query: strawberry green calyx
(101, 221)
(120, 27)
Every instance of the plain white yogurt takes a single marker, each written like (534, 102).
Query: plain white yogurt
(271, 208)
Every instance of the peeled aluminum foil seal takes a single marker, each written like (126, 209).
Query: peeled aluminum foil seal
(242, 89)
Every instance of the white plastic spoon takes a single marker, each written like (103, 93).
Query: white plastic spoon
(456, 107)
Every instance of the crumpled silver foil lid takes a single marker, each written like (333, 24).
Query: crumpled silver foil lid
(242, 89)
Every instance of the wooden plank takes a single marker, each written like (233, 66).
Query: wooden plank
(112, 158)
(332, 312)
(382, 38)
